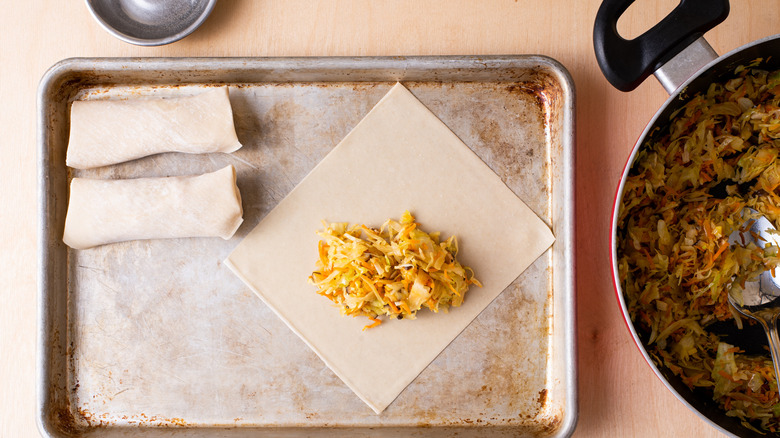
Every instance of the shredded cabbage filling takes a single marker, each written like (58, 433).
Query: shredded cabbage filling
(683, 197)
(393, 271)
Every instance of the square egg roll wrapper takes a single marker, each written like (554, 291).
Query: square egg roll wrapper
(399, 157)
(108, 211)
(104, 132)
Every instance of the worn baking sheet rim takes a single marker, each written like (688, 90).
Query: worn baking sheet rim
(563, 215)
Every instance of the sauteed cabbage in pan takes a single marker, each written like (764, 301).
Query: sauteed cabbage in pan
(682, 199)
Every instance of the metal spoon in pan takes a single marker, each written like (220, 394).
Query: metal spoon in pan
(760, 298)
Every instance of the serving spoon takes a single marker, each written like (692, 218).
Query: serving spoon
(760, 298)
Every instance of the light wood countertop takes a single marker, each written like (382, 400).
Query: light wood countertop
(618, 393)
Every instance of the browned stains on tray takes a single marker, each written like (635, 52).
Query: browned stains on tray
(102, 420)
(65, 421)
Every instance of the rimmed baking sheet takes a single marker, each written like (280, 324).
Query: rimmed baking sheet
(142, 337)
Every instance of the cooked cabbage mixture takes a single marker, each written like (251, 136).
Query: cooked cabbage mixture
(683, 198)
(393, 271)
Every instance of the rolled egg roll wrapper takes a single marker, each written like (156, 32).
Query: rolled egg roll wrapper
(107, 211)
(104, 132)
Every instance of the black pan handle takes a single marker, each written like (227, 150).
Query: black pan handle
(626, 63)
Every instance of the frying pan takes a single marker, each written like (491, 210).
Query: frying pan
(675, 51)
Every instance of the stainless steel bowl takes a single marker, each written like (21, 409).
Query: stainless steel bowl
(150, 22)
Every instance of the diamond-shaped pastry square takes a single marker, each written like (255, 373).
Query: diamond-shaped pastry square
(399, 157)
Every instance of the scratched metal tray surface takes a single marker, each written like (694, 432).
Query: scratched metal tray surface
(158, 338)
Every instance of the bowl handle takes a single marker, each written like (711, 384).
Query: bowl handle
(626, 63)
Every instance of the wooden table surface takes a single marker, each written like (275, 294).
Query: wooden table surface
(618, 394)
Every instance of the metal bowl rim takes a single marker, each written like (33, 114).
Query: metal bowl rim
(152, 41)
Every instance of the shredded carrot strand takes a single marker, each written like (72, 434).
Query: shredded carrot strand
(374, 324)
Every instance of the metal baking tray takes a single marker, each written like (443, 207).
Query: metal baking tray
(158, 338)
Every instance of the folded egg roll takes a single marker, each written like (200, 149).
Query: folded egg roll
(107, 211)
(104, 132)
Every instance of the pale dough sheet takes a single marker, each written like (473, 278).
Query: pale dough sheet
(107, 211)
(104, 132)
(400, 156)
